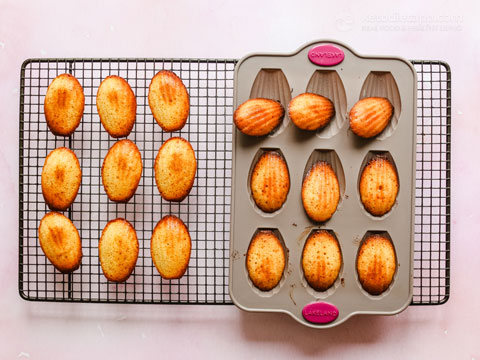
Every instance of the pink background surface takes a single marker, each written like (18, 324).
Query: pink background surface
(432, 30)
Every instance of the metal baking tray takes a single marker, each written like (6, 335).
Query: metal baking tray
(282, 77)
(207, 213)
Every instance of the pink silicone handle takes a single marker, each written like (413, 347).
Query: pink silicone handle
(326, 55)
(320, 312)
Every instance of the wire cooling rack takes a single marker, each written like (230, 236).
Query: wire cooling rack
(206, 211)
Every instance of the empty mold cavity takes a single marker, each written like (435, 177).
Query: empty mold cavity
(383, 84)
(322, 260)
(377, 265)
(272, 84)
(277, 190)
(369, 157)
(330, 157)
(327, 83)
(269, 260)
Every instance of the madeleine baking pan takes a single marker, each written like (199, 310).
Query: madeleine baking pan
(206, 211)
(338, 73)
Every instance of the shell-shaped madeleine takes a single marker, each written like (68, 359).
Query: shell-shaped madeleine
(117, 106)
(121, 171)
(376, 264)
(170, 247)
(310, 111)
(169, 100)
(270, 181)
(175, 167)
(321, 260)
(370, 116)
(118, 250)
(258, 117)
(378, 186)
(64, 104)
(60, 241)
(320, 192)
(265, 260)
(61, 178)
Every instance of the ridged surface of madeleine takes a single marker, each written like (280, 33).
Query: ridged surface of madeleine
(175, 168)
(320, 192)
(121, 171)
(169, 101)
(118, 250)
(170, 247)
(60, 241)
(310, 111)
(321, 260)
(270, 181)
(61, 178)
(117, 106)
(258, 117)
(378, 186)
(376, 264)
(370, 116)
(64, 104)
(265, 260)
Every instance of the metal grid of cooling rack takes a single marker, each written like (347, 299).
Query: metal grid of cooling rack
(206, 211)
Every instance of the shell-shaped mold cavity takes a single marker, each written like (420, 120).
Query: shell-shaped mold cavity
(322, 192)
(321, 262)
(378, 183)
(383, 84)
(376, 263)
(272, 84)
(328, 84)
(266, 261)
(268, 181)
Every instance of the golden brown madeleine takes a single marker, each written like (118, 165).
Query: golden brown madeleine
(258, 117)
(170, 247)
(378, 186)
(321, 260)
(169, 101)
(270, 182)
(370, 116)
(320, 192)
(61, 178)
(121, 171)
(60, 241)
(265, 260)
(310, 111)
(376, 264)
(64, 104)
(175, 167)
(117, 106)
(118, 250)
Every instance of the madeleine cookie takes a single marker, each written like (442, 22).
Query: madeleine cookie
(270, 182)
(376, 264)
(118, 250)
(321, 260)
(169, 101)
(310, 111)
(170, 247)
(61, 178)
(63, 106)
(265, 260)
(121, 171)
(60, 241)
(370, 116)
(116, 106)
(175, 167)
(378, 186)
(320, 192)
(258, 117)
